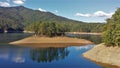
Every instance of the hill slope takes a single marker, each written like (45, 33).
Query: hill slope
(17, 18)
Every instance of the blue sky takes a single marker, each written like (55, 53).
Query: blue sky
(82, 10)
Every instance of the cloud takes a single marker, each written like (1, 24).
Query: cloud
(19, 2)
(56, 11)
(4, 4)
(43, 10)
(96, 14)
(102, 14)
(18, 59)
(7, 2)
(84, 47)
(83, 15)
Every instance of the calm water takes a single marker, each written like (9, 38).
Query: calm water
(25, 57)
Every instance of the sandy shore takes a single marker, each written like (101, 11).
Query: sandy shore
(101, 53)
(84, 33)
(51, 42)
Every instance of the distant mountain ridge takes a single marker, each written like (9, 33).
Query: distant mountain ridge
(24, 12)
(19, 17)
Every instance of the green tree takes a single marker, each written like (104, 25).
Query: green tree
(111, 35)
(47, 28)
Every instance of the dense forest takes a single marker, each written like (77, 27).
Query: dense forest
(17, 19)
(48, 28)
(112, 30)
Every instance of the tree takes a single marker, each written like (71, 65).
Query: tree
(111, 35)
(21, 17)
(48, 28)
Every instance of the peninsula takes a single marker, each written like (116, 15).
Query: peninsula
(103, 54)
(109, 51)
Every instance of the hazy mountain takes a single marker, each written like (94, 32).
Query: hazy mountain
(17, 18)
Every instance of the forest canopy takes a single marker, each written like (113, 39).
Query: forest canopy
(111, 35)
(17, 19)
(48, 29)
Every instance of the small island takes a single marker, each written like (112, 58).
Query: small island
(49, 34)
(51, 42)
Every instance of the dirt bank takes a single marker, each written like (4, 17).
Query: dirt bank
(83, 33)
(51, 42)
(103, 54)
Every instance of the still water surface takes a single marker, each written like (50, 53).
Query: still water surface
(26, 57)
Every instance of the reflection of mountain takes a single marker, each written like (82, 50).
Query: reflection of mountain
(6, 38)
(14, 54)
(48, 54)
(18, 54)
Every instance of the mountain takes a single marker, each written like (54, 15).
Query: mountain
(19, 17)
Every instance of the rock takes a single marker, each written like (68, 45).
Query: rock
(104, 54)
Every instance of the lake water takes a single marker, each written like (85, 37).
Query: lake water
(25, 57)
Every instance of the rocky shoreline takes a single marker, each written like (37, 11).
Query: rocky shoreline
(103, 54)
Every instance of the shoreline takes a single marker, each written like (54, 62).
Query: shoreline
(51, 42)
(84, 33)
(90, 33)
(103, 54)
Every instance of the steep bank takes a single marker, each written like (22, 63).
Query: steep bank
(51, 42)
(103, 54)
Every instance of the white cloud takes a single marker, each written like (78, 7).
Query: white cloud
(19, 59)
(43, 10)
(56, 11)
(84, 47)
(96, 14)
(83, 15)
(4, 4)
(102, 14)
(19, 2)
(7, 3)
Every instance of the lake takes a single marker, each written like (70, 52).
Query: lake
(12, 56)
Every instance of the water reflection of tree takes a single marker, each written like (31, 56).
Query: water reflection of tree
(10, 37)
(94, 38)
(48, 54)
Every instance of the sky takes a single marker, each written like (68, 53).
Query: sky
(81, 10)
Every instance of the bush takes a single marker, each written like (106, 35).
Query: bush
(111, 35)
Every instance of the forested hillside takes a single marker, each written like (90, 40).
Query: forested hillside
(112, 30)
(17, 19)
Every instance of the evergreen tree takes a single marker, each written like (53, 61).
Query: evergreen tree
(111, 36)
